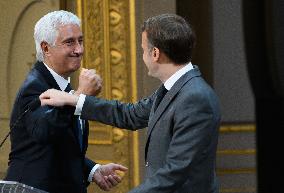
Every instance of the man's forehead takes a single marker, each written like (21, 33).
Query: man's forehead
(70, 30)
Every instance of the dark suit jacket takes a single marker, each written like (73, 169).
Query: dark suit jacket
(45, 152)
(182, 134)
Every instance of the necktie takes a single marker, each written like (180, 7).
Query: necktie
(161, 92)
(68, 88)
(80, 131)
(79, 122)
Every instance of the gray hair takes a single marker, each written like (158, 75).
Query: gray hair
(46, 29)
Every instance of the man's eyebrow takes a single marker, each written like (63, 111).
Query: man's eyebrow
(72, 38)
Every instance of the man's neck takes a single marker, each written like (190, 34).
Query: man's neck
(60, 80)
(55, 70)
(167, 70)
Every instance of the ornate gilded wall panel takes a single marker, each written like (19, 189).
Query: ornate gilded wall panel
(109, 39)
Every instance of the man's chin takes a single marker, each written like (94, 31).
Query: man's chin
(76, 65)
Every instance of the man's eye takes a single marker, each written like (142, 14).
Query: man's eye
(69, 43)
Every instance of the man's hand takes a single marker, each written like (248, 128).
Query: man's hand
(90, 83)
(105, 176)
(57, 98)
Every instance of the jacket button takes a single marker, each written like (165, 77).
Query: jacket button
(147, 164)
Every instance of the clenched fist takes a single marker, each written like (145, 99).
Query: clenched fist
(90, 83)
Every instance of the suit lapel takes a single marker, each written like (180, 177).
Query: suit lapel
(47, 76)
(39, 66)
(168, 98)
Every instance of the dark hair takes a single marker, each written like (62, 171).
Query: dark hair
(172, 34)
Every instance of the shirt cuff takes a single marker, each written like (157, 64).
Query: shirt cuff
(90, 178)
(72, 92)
(79, 105)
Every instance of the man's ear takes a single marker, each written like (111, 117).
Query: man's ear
(45, 48)
(156, 54)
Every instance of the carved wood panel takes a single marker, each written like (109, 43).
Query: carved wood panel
(109, 40)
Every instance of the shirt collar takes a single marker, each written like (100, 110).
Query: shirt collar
(172, 80)
(62, 82)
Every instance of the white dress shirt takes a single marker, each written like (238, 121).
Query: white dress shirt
(63, 83)
(172, 80)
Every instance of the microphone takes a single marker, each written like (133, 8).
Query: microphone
(31, 107)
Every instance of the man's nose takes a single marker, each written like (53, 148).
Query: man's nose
(79, 48)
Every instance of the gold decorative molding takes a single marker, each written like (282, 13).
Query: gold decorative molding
(118, 135)
(100, 134)
(231, 128)
(237, 190)
(4, 118)
(237, 152)
(135, 143)
(226, 171)
(240, 128)
(103, 161)
(110, 49)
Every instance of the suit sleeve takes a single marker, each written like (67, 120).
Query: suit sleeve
(45, 124)
(88, 166)
(122, 115)
(193, 130)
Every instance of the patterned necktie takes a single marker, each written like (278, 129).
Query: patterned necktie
(161, 92)
(79, 122)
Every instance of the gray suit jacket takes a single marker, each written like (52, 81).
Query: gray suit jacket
(182, 134)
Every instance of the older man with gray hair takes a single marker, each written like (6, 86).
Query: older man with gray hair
(49, 144)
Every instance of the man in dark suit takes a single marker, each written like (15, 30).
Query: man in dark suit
(182, 116)
(49, 144)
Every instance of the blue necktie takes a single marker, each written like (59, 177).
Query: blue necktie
(80, 127)
(80, 132)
